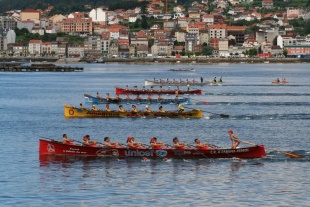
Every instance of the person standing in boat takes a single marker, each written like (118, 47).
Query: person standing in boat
(134, 109)
(107, 108)
(65, 140)
(121, 109)
(214, 80)
(180, 107)
(178, 145)
(234, 139)
(201, 79)
(201, 146)
(221, 81)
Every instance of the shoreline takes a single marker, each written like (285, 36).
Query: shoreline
(173, 60)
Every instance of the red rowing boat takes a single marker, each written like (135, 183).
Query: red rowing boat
(52, 147)
(130, 91)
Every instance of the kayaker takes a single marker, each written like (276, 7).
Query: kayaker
(201, 146)
(94, 108)
(132, 144)
(147, 108)
(121, 109)
(134, 109)
(161, 109)
(234, 139)
(65, 140)
(107, 107)
(88, 142)
(107, 143)
(177, 145)
(156, 145)
(180, 107)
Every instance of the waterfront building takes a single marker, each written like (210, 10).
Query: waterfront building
(7, 22)
(35, 47)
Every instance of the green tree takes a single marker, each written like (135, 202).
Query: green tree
(207, 50)
(144, 23)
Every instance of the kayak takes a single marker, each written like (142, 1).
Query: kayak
(74, 112)
(95, 100)
(54, 147)
(131, 91)
(174, 82)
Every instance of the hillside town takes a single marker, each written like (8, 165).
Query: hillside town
(222, 28)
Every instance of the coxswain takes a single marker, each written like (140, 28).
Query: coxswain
(107, 96)
(107, 108)
(88, 142)
(65, 140)
(134, 109)
(178, 145)
(94, 108)
(128, 97)
(180, 107)
(234, 139)
(97, 95)
(109, 144)
(161, 109)
(81, 106)
(156, 145)
(201, 146)
(118, 97)
(121, 109)
(132, 144)
(147, 108)
(214, 80)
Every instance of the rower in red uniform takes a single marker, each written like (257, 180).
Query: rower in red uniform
(156, 145)
(88, 142)
(178, 145)
(65, 140)
(132, 144)
(201, 146)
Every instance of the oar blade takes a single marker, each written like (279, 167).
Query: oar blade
(293, 155)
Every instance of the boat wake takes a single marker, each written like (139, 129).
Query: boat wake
(258, 94)
(255, 103)
(300, 116)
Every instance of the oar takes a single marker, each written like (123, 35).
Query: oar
(290, 154)
(221, 115)
(204, 102)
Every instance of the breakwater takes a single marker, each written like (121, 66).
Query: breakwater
(17, 67)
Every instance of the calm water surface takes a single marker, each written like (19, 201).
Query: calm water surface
(31, 105)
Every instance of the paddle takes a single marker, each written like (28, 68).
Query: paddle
(221, 115)
(290, 154)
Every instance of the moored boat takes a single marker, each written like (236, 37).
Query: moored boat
(95, 100)
(73, 112)
(132, 91)
(53, 147)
